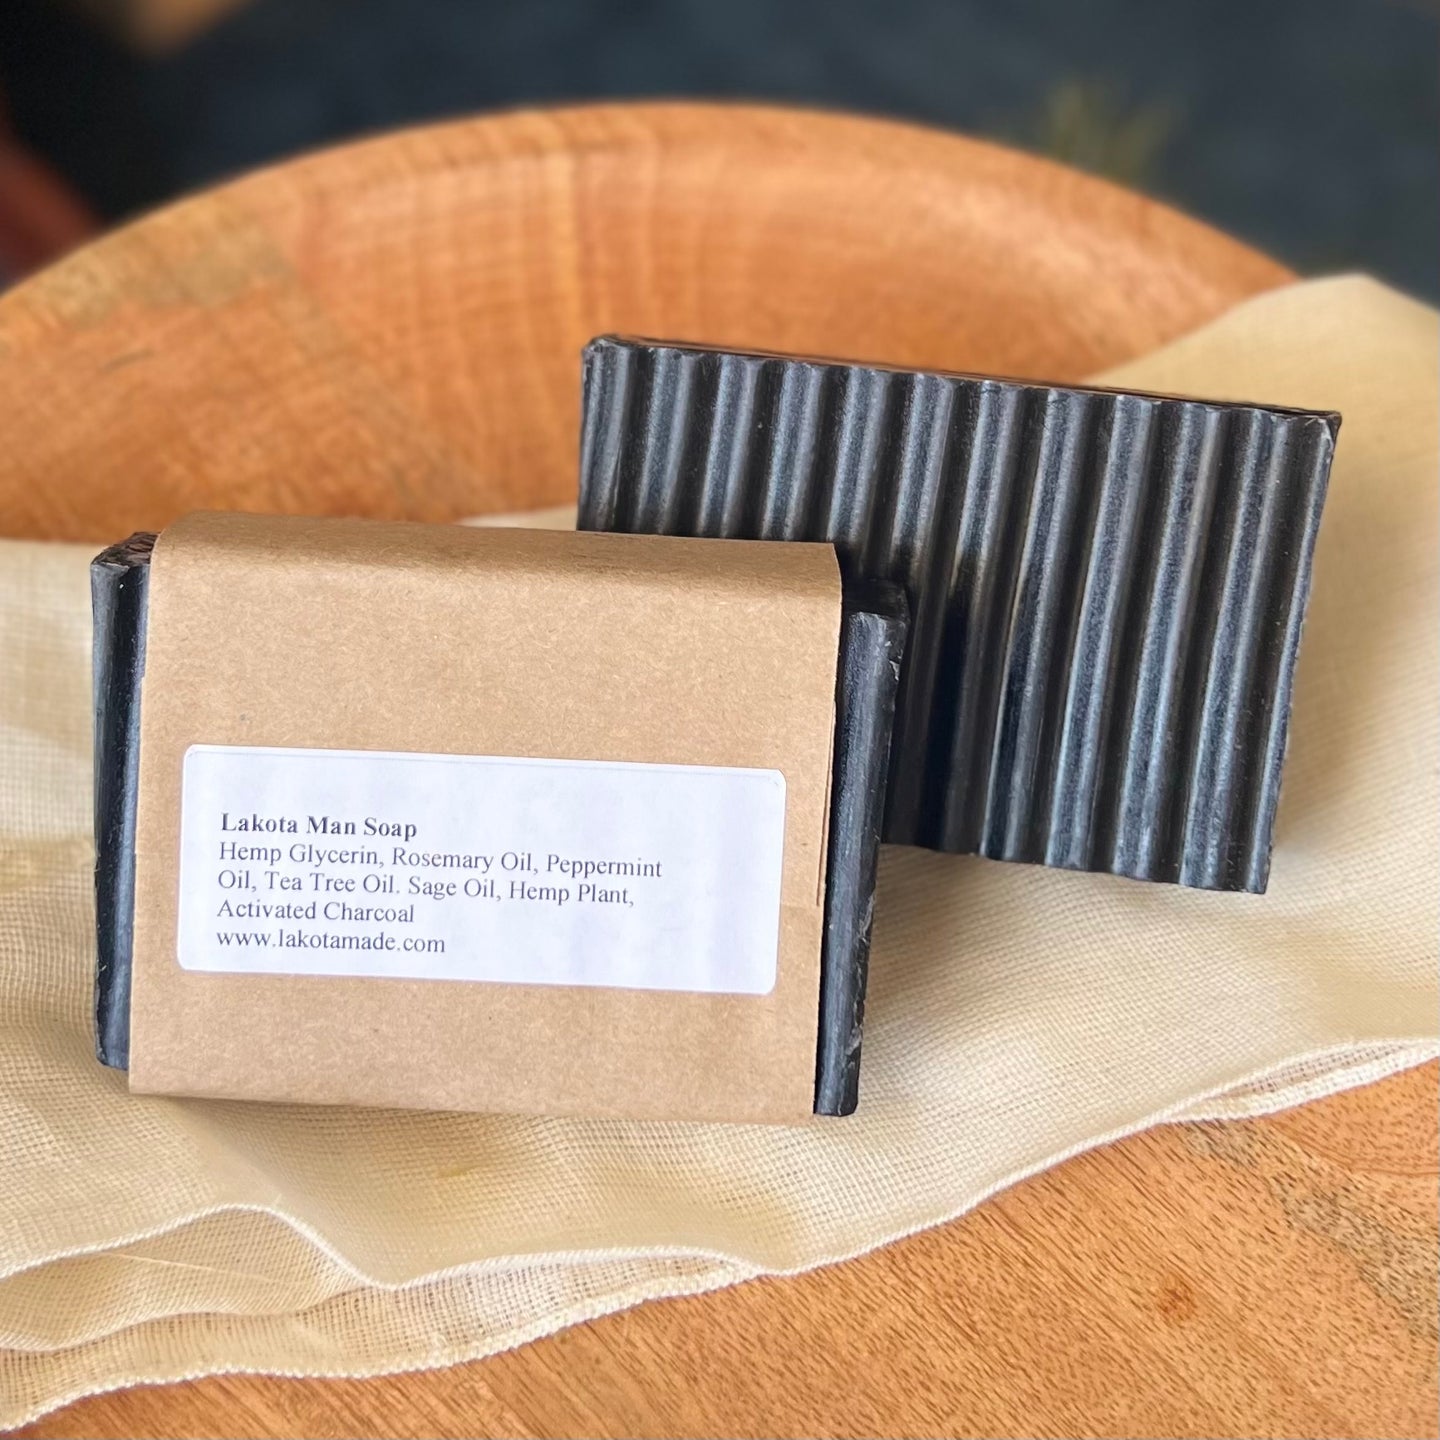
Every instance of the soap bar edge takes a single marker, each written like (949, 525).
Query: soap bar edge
(119, 594)
(874, 623)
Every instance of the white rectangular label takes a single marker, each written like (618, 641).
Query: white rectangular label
(470, 867)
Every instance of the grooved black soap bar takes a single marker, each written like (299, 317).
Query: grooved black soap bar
(872, 640)
(1106, 589)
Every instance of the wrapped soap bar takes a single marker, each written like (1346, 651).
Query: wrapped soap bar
(253, 845)
(1106, 589)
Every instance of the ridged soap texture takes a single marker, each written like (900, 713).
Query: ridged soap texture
(1106, 589)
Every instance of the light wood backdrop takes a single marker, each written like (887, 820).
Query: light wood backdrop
(394, 329)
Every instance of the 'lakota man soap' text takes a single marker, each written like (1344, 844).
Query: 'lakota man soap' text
(316, 825)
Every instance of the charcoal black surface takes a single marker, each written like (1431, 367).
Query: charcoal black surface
(872, 639)
(872, 645)
(119, 593)
(1106, 589)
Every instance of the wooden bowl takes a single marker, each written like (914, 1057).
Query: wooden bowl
(394, 328)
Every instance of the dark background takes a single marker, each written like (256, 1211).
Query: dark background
(1308, 127)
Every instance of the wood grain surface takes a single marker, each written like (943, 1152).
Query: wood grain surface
(1265, 1277)
(394, 329)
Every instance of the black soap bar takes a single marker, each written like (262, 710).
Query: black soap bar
(119, 592)
(872, 645)
(872, 639)
(1106, 589)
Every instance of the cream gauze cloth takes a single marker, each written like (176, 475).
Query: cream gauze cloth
(1016, 1015)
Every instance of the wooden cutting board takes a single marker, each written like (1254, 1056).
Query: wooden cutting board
(394, 329)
